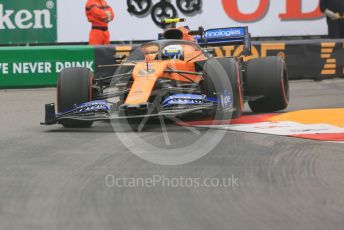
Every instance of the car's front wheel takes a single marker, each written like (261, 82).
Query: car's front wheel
(222, 79)
(74, 87)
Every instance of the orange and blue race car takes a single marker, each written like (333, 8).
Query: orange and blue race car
(173, 77)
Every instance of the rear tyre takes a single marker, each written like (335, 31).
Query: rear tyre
(218, 74)
(74, 86)
(267, 78)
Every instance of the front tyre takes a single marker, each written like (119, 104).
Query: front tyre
(224, 75)
(74, 87)
(233, 70)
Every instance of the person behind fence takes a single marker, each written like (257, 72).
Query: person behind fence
(99, 13)
(334, 11)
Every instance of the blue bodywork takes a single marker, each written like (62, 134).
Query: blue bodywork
(170, 101)
(93, 106)
(173, 105)
(224, 35)
(195, 99)
(184, 99)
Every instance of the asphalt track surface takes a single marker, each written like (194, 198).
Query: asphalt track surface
(53, 178)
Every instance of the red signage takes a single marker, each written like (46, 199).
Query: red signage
(293, 11)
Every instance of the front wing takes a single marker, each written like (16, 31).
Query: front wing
(101, 114)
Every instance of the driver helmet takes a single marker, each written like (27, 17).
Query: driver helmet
(173, 52)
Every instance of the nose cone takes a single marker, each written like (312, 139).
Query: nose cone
(145, 75)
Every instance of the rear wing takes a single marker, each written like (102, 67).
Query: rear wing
(226, 36)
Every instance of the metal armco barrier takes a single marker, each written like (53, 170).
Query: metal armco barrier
(29, 67)
(306, 59)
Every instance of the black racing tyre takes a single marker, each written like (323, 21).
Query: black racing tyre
(74, 86)
(224, 74)
(233, 71)
(267, 79)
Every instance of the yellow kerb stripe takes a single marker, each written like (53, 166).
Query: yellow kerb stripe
(317, 116)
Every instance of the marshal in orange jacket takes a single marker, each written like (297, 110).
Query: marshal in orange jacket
(99, 13)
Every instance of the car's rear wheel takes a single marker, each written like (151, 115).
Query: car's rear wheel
(224, 75)
(267, 81)
(74, 87)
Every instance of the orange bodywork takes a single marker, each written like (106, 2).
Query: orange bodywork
(145, 79)
(145, 74)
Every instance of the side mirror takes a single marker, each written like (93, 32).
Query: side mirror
(194, 32)
(199, 32)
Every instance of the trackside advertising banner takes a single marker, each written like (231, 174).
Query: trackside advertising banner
(49, 21)
(28, 21)
(27, 67)
(141, 20)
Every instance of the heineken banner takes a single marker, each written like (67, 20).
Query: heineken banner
(28, 21)
(26, 67)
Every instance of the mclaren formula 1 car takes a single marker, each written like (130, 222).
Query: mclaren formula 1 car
(172, 77)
